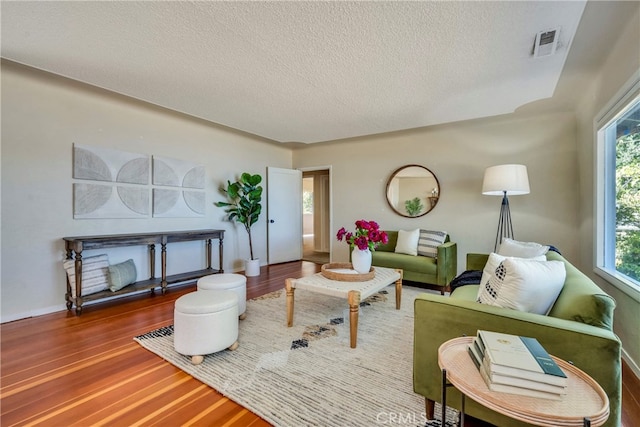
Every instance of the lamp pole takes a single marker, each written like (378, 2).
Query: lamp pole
(505, 227)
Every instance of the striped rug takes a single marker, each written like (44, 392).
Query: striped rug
(307, 375)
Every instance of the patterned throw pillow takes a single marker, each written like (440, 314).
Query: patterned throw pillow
(494, 261)
(524, 285)
(429, 241)
(95, 274)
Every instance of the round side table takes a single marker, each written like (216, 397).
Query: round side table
(585, 404)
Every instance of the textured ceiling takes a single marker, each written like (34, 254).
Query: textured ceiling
(302, 71)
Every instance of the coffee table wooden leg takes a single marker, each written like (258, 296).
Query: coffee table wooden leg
(288, 285)
(354, 307)
(399, 290)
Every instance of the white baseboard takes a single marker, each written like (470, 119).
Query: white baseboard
(32, 313)
(631, 363)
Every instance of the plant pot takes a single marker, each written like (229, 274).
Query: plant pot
(251, 267)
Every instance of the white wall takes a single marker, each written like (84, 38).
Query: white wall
(622, 62)
(458, 155)
(42, 116)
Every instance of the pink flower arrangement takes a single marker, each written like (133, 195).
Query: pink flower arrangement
(367, 235)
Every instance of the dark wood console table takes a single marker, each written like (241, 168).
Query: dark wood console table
(75, 245)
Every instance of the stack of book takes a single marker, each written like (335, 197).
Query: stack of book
(517, 365)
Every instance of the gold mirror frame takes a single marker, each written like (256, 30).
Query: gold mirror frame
(412, 191)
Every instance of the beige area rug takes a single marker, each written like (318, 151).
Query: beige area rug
(307, 375)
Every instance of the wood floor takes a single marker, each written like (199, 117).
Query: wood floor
(63, 370)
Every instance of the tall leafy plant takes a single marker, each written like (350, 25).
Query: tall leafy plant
(243, 205)
(414, 206)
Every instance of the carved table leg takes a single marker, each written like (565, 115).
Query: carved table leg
(288, 284)
(208, 254)
(78, 268)
(354, 307)
(220, 254)
(69, 300)
(78, 306)
(152, 265)
(68, 297)
(399, 290)
(152, 261)
(163, 255)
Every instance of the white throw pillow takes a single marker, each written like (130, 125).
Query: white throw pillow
(510, 247)
(429, 241)
(95, 274)
(531, 286)
(408, 242)
(494, 261)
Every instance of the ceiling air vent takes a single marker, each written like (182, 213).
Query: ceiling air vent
(546, 43)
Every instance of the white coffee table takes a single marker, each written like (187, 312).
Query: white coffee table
(353, 292)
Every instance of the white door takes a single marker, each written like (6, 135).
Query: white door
(284, 215)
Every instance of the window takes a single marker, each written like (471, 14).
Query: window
(618, 187)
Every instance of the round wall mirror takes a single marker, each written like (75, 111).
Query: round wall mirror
(412, 191)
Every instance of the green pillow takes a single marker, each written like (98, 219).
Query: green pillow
(121, 275)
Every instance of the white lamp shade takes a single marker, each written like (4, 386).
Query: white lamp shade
(510, 178)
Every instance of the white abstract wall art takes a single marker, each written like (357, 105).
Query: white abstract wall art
(178, 173)
(117, 184)
(195, 200)
(109, 201)
(105, 164)
(110, 183)
(174, 203)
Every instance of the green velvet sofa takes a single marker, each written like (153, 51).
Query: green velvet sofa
(437, 271)
(577, 329)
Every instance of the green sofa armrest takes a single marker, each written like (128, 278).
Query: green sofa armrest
(447, 262)
(476, 261)
(439, 319)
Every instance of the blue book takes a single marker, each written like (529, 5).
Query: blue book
(548, 365)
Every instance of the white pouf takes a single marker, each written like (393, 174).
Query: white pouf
(205, 322)
(230, 282)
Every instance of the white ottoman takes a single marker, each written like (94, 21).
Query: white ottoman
(230, 282)
(205, 322)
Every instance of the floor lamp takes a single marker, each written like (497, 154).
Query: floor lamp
(505, 180)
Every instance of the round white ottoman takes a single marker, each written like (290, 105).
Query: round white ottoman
(205, 322)
(230, 282)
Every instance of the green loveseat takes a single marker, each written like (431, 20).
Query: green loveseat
(577, 329)
(422, 269)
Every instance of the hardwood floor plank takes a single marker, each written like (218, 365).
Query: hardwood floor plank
(170, 406)
(65, 370)
(211, 415)
(55, 403)
(630, 397)
(150, 399)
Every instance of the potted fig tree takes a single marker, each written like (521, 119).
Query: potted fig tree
(244, 206)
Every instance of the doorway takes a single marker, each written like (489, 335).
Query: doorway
(316, 209)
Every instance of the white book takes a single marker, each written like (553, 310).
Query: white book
(525, 383)
(504, 388)
(519, 373)
(520, 357)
